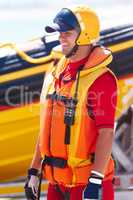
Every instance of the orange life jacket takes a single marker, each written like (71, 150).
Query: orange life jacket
(75, 158)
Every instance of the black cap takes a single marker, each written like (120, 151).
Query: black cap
(64, 21)
(61, 27)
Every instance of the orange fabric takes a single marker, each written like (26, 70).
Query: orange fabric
(58, 131)
(97, 57)
(45, 125)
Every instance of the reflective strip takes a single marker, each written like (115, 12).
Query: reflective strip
(97, 173)
(95, 180)
(89, 199)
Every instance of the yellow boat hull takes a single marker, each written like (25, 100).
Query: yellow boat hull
(19, 128)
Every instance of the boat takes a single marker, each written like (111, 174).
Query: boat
(22, 72)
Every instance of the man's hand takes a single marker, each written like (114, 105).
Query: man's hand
(31, 186)
(92, 190)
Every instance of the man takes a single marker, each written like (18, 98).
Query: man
(77, 120)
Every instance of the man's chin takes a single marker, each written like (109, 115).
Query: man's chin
(64, 52)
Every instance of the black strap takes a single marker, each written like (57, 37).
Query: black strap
(64, 99)
(60, 162)
(67, 134)
(69, 116)
(55, 162)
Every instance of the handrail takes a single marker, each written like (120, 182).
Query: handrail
(25, 56)
(121, 46)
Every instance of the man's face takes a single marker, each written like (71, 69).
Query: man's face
(67, 40)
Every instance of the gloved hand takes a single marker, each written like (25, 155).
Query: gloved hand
(31, 185)
(92, 190)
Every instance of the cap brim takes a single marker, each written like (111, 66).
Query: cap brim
(56, 27)
(52, 28)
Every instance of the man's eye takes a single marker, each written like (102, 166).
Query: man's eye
(68, 33)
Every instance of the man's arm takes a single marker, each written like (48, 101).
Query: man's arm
(102, 155)
(103, 149)
(103, 106)
(32, 181)
(36, 161)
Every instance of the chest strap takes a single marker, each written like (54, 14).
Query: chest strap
(64, 99)
(61, 162)
(55, 161)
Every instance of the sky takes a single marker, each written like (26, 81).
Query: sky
(24, 20)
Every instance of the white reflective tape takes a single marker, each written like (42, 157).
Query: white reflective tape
(97, 173)
(95, 180)
(89, 199)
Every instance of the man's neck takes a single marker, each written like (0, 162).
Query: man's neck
(82, 52)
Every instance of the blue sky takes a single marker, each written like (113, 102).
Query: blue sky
(23, 20)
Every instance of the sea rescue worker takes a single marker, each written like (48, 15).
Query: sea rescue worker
(77, 120)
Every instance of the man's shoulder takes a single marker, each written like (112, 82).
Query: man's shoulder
(106, 80)
(107, 76)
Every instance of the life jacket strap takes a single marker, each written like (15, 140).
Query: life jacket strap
(64, 99)
(67, 134)
(61, 162)
(55, 161)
